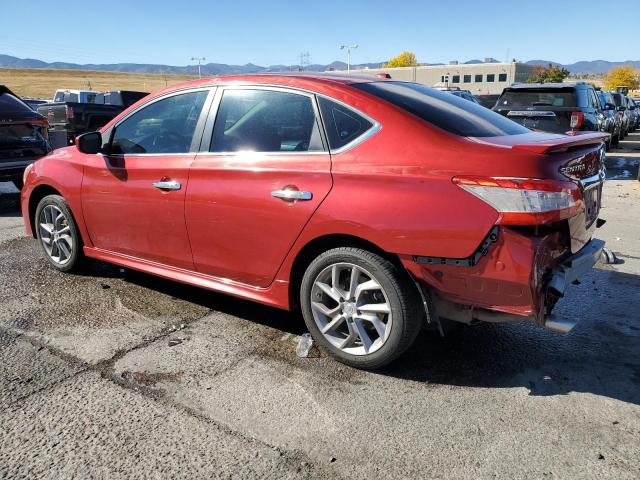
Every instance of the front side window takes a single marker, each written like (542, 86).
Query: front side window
(448, 112)
(164, 126)
(342, 124)
(265, 121)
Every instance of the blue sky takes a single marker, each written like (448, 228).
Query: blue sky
(275, 32)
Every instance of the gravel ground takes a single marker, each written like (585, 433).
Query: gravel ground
(117, 374)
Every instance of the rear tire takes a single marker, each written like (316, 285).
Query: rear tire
(360, 307)
(58, 234)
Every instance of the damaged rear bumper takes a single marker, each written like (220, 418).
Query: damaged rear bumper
(574, 267)
(518, 276)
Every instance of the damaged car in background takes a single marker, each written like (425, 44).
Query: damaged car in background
(372, 205)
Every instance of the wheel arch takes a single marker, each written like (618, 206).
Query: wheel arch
(321, 244)
(36, 195)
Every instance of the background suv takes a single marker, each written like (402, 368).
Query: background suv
(552, 107)
(623, 113)
(611, 121)
(23, 136)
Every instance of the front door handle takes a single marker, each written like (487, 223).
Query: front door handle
(291, 195)
(167, 185)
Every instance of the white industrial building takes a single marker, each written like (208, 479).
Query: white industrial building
(478, 78)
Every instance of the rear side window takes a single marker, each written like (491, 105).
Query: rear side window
(164, 126)
(265, 121)
(448, 112)
(537, 97)
(343, 125)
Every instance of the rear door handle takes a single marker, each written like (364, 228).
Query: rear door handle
(291, 195)
(167, 185)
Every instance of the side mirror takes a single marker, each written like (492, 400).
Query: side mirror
(632, 108)
(90, 143)
(621, 108)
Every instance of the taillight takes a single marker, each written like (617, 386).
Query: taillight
(525, 201)
(69, 112)
(577, 119)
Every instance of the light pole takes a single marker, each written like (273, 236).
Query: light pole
(348, 48)
(199, 60)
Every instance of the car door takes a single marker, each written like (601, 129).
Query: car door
(133, 196)
(263, 171)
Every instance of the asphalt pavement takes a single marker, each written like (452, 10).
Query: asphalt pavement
(116, 374)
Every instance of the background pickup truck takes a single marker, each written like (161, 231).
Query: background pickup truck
(74, 112)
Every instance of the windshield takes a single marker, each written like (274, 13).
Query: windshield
(537, 97)
(448, 112)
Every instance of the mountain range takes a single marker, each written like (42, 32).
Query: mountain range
(8, 61)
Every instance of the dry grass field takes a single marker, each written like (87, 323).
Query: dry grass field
(42, 83)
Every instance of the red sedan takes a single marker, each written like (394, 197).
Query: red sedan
(372, 205)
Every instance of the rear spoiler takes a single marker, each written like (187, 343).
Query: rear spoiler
(562, 144)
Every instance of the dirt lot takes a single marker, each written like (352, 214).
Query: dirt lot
(42, 83)
(117, 374)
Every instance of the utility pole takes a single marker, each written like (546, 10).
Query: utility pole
(199, 60)
(305, 60)
(348, 48)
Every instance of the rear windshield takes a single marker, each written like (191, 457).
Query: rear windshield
(12, 105)
(453, 114)
(537, 97)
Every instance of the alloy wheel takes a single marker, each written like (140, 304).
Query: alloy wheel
(55, 234)
(351, 309)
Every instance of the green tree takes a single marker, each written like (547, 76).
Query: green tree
(550, 74)
(405, 59)
(624, 76)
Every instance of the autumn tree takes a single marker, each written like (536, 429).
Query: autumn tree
(550, 74)
(623, 76)
(405, 59)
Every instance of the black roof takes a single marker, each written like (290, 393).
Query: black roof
(549, 85)
(5, 89)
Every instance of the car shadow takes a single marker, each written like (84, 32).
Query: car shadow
(599, 356)
(290, 322)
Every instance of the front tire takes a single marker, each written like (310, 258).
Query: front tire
(360, 307)
(58, 234)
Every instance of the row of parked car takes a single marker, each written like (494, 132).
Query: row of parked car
(565, 107)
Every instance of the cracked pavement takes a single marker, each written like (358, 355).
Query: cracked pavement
(117, 374)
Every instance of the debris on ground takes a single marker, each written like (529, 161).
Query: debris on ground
(305, 342)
